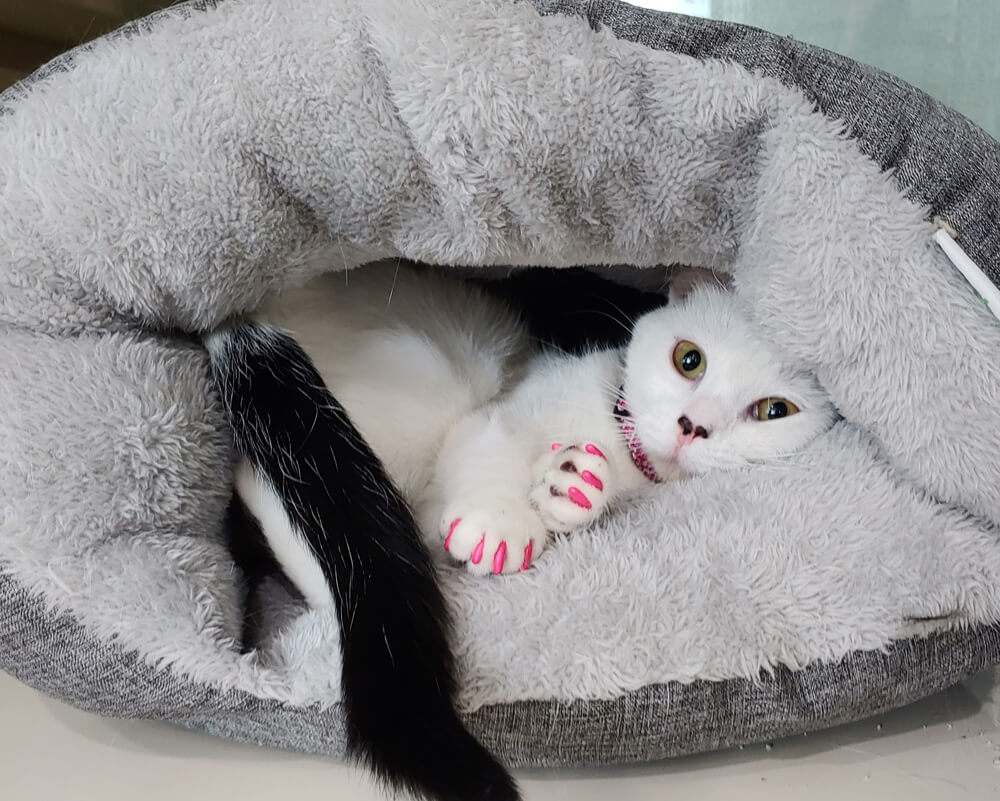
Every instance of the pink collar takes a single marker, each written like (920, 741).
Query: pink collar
(639, 457)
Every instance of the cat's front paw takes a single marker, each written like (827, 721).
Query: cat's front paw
(574, 486)
(493, 537)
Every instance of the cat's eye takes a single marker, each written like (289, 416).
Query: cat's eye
(773, 409)
(689, 360)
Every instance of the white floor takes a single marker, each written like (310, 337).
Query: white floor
(945, 748)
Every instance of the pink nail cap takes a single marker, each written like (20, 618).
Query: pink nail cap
(451, 530)
(499, 557)
(593, 480)
(527, 556)
(578, 497)
(477, 552)
(595, 451)
(556, 446)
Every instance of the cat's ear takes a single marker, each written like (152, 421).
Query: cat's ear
(683, 280)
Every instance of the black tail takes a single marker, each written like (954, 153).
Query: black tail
(398, 671)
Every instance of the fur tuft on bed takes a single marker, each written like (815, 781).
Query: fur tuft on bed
(161, 180)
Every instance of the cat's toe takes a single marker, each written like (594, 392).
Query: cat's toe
(498, 541)
(573, 489)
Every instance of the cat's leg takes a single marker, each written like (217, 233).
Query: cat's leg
(480, 505)
(573, 485)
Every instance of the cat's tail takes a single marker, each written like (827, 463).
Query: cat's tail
(340, 528)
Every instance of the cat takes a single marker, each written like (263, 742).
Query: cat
(389, 403)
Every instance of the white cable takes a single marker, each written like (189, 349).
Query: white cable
(984, 286)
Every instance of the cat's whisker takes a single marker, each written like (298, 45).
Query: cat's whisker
(625, 326)
(719, 282)
(622, 312)
(392, 288)
(549, 346)
(610, 386)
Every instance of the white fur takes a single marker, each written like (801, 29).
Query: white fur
(741, 369)
(286, 541)
(489, 440)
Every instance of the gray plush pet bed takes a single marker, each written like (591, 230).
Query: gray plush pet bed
(181, 171)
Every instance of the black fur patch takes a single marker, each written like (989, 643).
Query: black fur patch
(572, 308)
(398, 671)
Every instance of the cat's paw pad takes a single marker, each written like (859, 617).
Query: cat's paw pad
(574, 486)
(493, 539)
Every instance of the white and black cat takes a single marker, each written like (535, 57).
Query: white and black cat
(454, 412)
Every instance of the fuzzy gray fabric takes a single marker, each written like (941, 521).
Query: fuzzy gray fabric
(226, 152)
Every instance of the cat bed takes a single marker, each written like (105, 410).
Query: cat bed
(164, 178)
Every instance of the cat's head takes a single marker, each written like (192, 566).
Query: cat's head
(705, 391)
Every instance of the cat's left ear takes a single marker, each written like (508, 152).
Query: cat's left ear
(685, 279)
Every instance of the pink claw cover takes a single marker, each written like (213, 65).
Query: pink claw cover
(578, 497)
(499, 557)
(527, 556)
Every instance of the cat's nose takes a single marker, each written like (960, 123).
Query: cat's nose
(690, 428)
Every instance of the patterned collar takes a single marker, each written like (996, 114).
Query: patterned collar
(639, 457)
